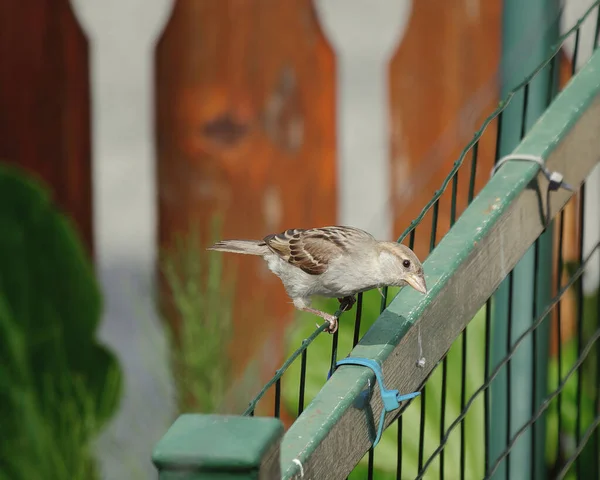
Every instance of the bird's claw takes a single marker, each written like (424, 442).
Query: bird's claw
(346, 303)
(333, 324)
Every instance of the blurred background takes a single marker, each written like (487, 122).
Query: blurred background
(135, 132)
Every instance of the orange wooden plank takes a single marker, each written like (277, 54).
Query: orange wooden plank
(442, 85)
(245, 129)
(45, 101)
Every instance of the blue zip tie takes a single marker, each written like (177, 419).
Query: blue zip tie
(391, 398)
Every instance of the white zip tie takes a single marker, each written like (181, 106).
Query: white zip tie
(421, 361)
(299, 463)
(556, 179)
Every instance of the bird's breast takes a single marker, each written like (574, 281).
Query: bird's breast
(342, 278)
(297, 283)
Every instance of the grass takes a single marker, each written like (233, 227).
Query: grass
(202, 307)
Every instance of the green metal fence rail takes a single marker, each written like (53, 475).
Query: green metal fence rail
(514, 410)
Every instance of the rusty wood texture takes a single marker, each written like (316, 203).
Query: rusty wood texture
(443, 83)
(45, 101)
(245, 130)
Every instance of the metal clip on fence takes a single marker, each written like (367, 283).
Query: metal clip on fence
(556, 179)
(391, 398)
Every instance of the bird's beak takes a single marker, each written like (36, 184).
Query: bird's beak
(417, 282)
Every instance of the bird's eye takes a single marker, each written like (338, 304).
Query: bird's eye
(406, 263)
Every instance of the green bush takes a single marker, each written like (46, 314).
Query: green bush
(58, 386)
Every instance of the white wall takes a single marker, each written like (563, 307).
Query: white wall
(122, 35)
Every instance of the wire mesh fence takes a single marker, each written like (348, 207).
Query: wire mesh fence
(474, 403)
(519, 388)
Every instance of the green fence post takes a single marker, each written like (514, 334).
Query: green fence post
(220, 447)
(529, 29)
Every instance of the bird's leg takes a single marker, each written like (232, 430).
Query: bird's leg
(304, 305)
(346, 303)
(332, 319)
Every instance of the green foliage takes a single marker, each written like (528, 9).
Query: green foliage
(202, 303)
(319, 354)
(58, 386)
(568, 398)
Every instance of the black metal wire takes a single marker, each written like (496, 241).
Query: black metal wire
(434, 225)
(443, 411)
(559, 330)
(534, 364)
(411, 245)
(277, 412)
(524, 114)
(358, 318)
(597, 402)
(579, 326)
(474, 156)
(552, 74)
(454, 193)
(463, 373)
(575, 53)
(399, 453)
(463, 399)
(334, 347)
(370, 464)
(497, 155)
(411, 239)
(302, 382)
(498, 137)
(463, 392)
(486, 395)
(596, 39)
(508, 369)
(384, 295)
(534, 308)
(423, 396)
(552, 89)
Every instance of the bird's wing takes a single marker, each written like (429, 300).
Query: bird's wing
(312, 250)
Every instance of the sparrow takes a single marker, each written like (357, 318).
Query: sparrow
(335, 262)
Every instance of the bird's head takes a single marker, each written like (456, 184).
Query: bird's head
(400, 266)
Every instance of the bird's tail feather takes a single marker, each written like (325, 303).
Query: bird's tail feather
(246, 247)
